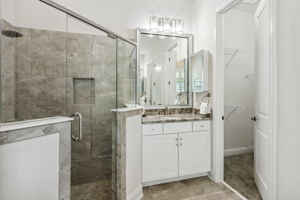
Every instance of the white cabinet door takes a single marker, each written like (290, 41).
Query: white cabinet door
(160, 157)
(194, 153)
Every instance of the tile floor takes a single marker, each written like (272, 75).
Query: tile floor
(238, 173)
(92, 191)
(192, 189)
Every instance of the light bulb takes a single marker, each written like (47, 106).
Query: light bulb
(179, 26)
(173, 25)
(167, 25)
(154, 26)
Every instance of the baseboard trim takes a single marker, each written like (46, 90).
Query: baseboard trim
(238, 151)
(137, 194)
(178, 178)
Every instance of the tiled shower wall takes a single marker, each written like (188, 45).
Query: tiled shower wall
(7, 84)
(40, 74)
(50, 73)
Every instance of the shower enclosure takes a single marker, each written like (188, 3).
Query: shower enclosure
(57, 63)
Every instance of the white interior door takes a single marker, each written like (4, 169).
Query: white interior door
(263, 104)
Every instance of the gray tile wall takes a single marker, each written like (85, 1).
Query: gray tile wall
(50, 73)
(40, 74)
(8, 97)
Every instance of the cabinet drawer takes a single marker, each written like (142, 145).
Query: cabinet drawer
(152, 129)
(201, 126)
(181, 127)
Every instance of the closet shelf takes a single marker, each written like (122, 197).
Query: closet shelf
(232, 53)
(235, 108)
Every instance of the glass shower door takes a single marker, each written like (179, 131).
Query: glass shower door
(91, 91)
(127, 75)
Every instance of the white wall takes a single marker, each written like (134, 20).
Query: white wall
(119, 16)
(239, 33)
(288, 99)
(32, 14)
(124, 17)
(204, 23)
(203, 26)
(8, 10)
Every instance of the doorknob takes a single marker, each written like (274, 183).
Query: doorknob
(253, 119)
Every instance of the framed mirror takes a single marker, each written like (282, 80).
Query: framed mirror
(199, 71)
(164, 69)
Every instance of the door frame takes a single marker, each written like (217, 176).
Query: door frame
(218, 88)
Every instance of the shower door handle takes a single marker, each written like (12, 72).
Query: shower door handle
(77, 138)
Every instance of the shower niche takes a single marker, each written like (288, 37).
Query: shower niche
(83, 90)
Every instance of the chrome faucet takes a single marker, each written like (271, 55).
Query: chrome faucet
(166, 110)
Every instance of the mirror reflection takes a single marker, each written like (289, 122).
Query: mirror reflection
(199, 71)
(164, 70)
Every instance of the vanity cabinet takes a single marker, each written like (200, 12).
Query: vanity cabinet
(174, 151)
(194, 153)
(160, 153)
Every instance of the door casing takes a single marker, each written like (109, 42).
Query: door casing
(218, 96)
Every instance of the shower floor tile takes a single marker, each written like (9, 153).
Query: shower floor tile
(92, 191)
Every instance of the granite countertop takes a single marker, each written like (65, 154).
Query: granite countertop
(148, 119)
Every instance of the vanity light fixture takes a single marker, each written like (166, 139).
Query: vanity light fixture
(166, 25)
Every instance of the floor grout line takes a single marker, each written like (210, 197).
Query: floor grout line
(233, 190)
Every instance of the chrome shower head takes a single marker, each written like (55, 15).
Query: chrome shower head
(11, 34)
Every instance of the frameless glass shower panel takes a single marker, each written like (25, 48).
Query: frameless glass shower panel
(91, 91)
(33, 61)
(127, 66)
